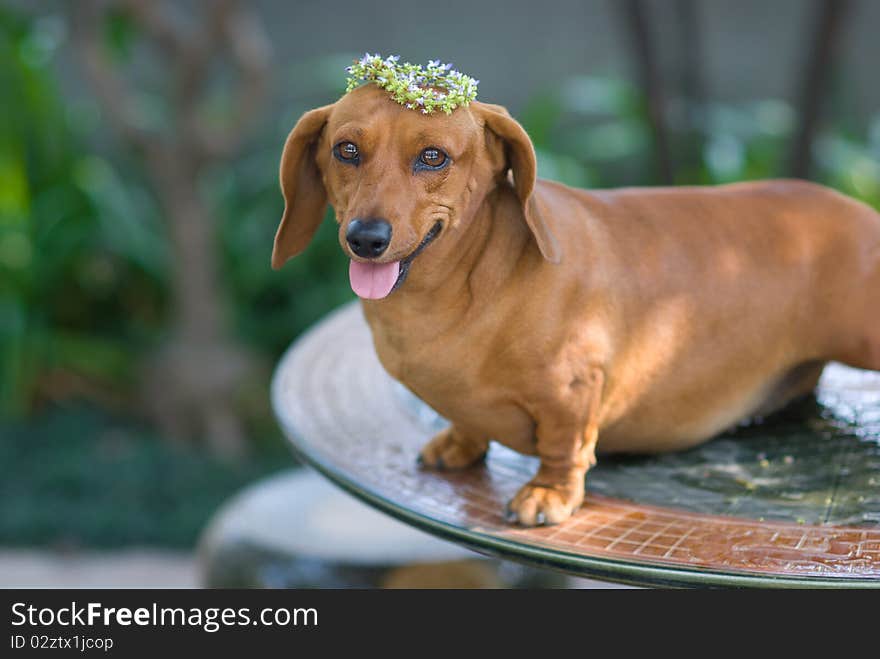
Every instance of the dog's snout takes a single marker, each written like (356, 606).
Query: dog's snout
(368, 238)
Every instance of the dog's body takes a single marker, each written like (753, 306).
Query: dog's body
(560, 321)
(702, 306)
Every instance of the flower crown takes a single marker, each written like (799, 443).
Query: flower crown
(435, 87)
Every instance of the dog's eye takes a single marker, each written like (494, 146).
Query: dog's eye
(346, 152)
(433, 158)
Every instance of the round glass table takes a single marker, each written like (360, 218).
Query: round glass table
(791, 501)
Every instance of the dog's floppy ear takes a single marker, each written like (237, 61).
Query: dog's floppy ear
(305, 199)
(520, 157)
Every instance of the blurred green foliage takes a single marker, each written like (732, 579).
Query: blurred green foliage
(83, 255)
(85, 478)
(593, 132)
(84, 299)
(82, 259)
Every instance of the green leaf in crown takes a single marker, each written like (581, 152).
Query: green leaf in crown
(427, 89)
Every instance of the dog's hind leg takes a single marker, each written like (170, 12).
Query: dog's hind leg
(797, 383)
(867, 353)
(871, 356)
(863, 341)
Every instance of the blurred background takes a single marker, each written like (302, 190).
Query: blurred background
(139, 144)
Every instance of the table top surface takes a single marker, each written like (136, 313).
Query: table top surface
(792, 501)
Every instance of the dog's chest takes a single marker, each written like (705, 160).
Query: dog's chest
(437, 371)
(450, 376)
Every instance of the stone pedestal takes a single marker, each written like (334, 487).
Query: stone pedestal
(296, 530)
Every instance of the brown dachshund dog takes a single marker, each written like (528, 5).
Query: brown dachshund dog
(560, 321)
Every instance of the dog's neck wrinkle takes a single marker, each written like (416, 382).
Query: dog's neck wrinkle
(505, 237)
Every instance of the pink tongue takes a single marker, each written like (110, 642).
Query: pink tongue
(373, 281)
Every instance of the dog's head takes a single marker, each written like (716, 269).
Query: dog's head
(399, 180)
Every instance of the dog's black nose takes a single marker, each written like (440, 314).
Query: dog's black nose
(368, 238)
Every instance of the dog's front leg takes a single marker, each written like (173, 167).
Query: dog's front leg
(453, 448)
(567, 431)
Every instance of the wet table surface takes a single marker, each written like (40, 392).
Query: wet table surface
(791, 501)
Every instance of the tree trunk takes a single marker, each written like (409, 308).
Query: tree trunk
(190, 386)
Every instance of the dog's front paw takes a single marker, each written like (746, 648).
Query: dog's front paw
(537, 505)
(452, 450)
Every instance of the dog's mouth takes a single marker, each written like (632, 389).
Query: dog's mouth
(374, 281)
